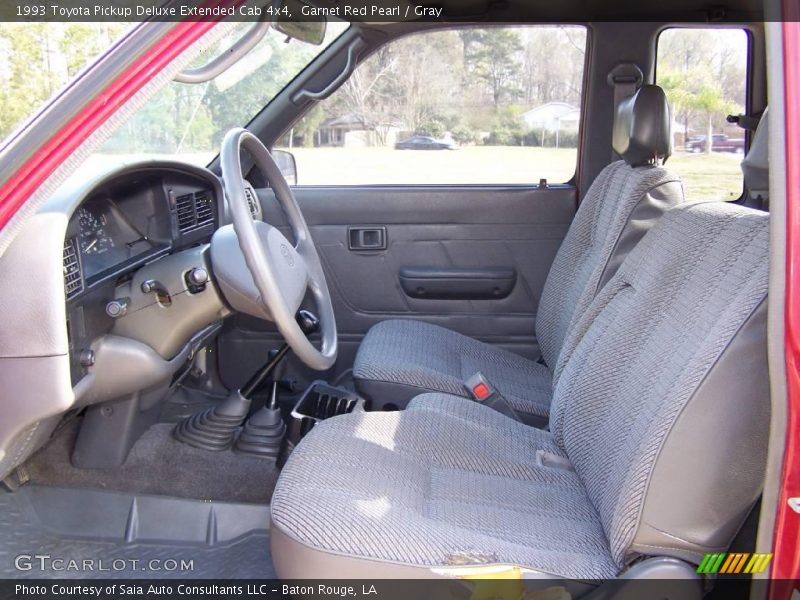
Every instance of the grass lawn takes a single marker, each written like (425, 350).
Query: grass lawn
(715, 176)
(469, 165)
(705, 177)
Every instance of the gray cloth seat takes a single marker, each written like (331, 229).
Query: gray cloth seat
(397, 361)
(667, 364)
(450, 483)
(410, 357)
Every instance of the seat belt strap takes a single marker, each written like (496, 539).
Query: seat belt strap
(625, 78)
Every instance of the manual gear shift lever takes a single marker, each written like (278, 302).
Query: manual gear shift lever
(264, 431)
(215, 428)
(309, 324)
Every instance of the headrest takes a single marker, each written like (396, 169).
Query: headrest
(755, 165)
(643, 127)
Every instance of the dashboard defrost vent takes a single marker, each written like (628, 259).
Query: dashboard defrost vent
(73, 280)
(252, 201)
(194, 210)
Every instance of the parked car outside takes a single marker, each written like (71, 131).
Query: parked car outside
(719, 143)
(424, 142)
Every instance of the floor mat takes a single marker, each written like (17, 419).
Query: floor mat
(92, 534)
(158, 464)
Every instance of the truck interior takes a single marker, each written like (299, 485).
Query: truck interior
(287, 361)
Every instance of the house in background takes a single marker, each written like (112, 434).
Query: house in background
(350, 131)
(553, 118)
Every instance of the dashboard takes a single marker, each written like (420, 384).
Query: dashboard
(133, 218)
(124, 250)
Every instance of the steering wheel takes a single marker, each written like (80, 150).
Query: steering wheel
(258, 270)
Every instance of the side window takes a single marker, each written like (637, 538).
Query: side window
(704, 73)
(499, 105)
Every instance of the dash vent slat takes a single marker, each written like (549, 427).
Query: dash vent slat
(73, 278)
(194, 210)
(204, 208)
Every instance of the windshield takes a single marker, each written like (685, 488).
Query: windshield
(185, 121)
(189, 120)
(38, 59)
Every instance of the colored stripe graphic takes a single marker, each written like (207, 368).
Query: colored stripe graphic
(734, 563)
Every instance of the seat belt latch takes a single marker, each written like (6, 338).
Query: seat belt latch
(480, 390)
(479, 387)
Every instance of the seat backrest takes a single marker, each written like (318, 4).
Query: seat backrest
(623, 202)
(662, 405)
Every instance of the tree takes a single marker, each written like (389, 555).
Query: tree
(677, 88)
(427, 70)
(30, 77)
(309, 124)
(491, 55)
(702, 73)
(709, 100)
(38, 59)
(687, 97)
(81, 42)
(362, 95)
(552, 64)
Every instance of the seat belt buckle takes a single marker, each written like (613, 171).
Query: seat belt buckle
(483, 392)
(479, 387)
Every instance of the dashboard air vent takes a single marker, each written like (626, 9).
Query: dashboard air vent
(73, 280)
(252, 201)
(194, 210)
(185, 211)
(204, 208)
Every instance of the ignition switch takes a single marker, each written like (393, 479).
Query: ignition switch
(117, 308)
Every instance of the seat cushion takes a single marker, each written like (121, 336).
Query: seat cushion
(445, 483)
(401, 359)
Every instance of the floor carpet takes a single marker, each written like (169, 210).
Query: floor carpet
(158, 464)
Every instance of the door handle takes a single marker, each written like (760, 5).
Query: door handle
(366, 238)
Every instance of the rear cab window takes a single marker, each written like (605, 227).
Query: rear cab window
(499, 105)
(704, 72)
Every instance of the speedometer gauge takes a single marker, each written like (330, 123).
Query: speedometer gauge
(93, 236)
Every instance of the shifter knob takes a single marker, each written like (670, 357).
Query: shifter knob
(308, 321)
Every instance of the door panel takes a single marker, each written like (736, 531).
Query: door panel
(471, 230)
